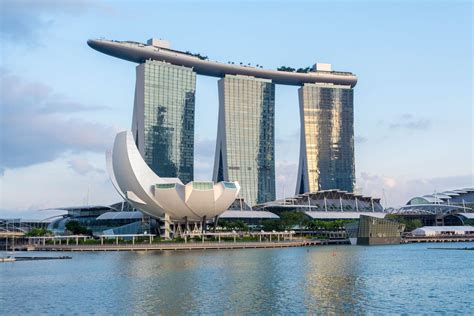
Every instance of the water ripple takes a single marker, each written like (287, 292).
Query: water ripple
(402, 279)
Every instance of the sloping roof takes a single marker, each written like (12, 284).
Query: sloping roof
(446, 228)
(467, 215)
(343, 215)
(249, 214)
(432, 198)
(442, 197)
(79, 208)
(309, 200)
(120, 215)
(429, 209)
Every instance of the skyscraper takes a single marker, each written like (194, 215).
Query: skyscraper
(245, 150)
(163, 118)
(327, 138)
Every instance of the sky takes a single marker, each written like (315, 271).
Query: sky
(62, 102)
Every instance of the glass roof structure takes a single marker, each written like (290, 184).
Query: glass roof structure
(325, 201)
(120, 215)
(444, 203)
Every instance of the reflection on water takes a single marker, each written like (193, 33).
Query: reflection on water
(339, 279)
(334, 282)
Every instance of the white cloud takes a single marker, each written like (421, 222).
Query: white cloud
(25, 21)
(286, 173)
(397, 190)
(53, 184)
(410, 122)
(82, 166)
(38, 125)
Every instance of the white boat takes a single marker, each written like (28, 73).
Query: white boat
(7, 259)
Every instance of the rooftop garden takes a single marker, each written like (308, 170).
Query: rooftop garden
(196, 55)
(291, 69)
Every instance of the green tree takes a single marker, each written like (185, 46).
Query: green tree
(241, 226)
(410, 224)
(237, 225)
(293, 218)
(469, 222)
(273, 224)
(76, 228)
(36, 232)
(285, 68)
(315, 225)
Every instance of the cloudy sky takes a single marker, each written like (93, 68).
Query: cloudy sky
(62, 102)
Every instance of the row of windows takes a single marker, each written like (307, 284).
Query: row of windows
(249, 125)
(169, 119)
(328, 129)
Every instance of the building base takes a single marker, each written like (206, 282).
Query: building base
(369, 241)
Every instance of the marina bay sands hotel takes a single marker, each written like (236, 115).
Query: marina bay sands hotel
(163, 118)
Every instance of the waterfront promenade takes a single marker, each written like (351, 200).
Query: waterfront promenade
(210, 245)
(175, 246)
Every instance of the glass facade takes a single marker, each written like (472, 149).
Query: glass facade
(203, 185)
(246, 139)
(230, 185)
(327, 138)
(163, 124)
(164, 186)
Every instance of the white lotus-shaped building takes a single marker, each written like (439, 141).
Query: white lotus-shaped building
(157, 197)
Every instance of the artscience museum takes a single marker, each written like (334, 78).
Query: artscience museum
(166, 198)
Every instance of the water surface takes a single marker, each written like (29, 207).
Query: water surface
(326, 279)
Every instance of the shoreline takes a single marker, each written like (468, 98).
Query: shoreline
(180, 246)
(176, 246)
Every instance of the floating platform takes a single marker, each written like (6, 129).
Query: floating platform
(465, 248)
(13, 259)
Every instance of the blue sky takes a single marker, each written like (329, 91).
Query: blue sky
(62, 102)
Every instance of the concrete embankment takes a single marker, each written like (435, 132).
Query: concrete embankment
(435, 239)
(22, 258)
(178, 246)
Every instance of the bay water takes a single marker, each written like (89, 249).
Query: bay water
(396, 279)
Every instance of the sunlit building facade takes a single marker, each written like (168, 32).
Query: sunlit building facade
(163, 118)
(327, 138)
(245, 149)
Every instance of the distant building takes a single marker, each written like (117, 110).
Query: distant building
(245, 150)
(450, 208)
(102, 219)
(327, 205)
(22, 225)
(327, 138)
(459, 197)
(439, 231)
(163, 118)
(377, 231)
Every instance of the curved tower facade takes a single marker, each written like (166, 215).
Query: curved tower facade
(327, 138)
(245, 149)
(163, 118)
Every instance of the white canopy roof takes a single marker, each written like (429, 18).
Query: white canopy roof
(249, 214)
(343, 215)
